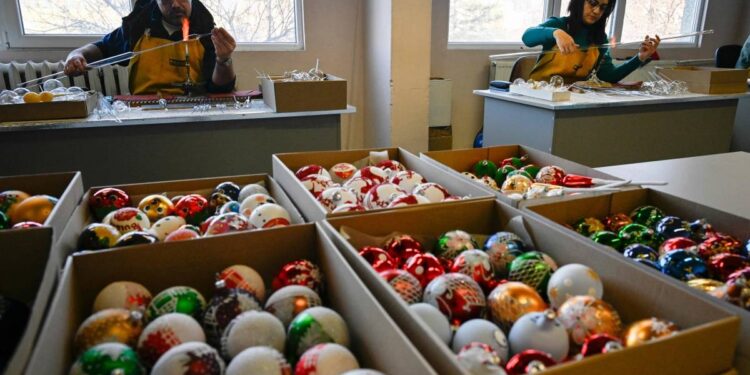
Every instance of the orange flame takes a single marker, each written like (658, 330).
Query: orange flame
(185, 29)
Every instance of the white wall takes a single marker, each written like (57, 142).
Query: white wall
(377, 73)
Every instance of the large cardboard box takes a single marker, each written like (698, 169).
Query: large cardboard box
(376, 340)
(285, 165)
(49, 111)
(27, 273)
(561, 213)
(635, 292)
(463, 160)
(708, 80)
(296, 96)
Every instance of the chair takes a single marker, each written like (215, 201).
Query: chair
(522, 67)
(726, 56)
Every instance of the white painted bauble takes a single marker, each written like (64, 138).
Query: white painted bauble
(334, 197)
(166, 332)
(270, 215)
(484, 331)
(291, 300)
(251, 189)
(540, 331)
(407, 180)
(432, 191)
(573, 280)
(181, 359)
(434, 319)
(254, 201)
(166, 225)
(250, 329)
(381, 195)
(122, 295)
(259, 360)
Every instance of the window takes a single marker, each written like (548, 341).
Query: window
(493, 24)
(255, 24)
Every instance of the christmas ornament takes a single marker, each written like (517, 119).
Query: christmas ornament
(484, 168)
(470, 176)
(408, 200)
(404, 284)
(721, 266)
(677, 243)
(457, 296)
(360, 186)
(229, 189)
(737, 289)
(608, 238)
(180, 299)
(291, 300)
(391, 167)
(717, 244)
(122, 295)
(372, 173)
(502, 173)
(193, 208)
(584, 316)
(705, 285)
(14, 316)
(615, 222)
(342, 172)
(540, 331)
(227, 223)
(407, 180)
(107, 359)
(190, 358)
(204, 225)
(484, 331)
(326, 359)
(35, 208)
(649, 263)
(216, 200)
(349, 208)
(550, 174)
(646, 330)
(299, 272)
(573, 280)
(4, 221)
(531, 169)
(166, 332)
(532, 268)
(270, 215)
(377, 258)
(251, 189)
(106, 200)
(452, 243)
(646, 215)
(640, 251)
(479, 358)
(259, 360)
(425, 267)
(316, 325)
(511, 300)
(311, 169)
(381, 195)
(231, 206)
(156, 206)
(503, 247)
(434, 319)
(166, 226)
(226, 304)
(700, 230)
(671, 227)
(27, 225)
(588, 226)
(517, 184)
(683, 265)
(243, 277)
(110, 325)
(402, 247)
(251, 329)
(363, 372)
(475, 264)
(97, 237)
(9, 199)
(432, 191)
(182, 234)
(517, 162)
(529, 362)
(136, 238)
(490, 182)
(637, 233)
(601, 343)
(254, 201)
(521, 172)
(336, 196)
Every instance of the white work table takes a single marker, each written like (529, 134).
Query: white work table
(597, 129)
(719, 181)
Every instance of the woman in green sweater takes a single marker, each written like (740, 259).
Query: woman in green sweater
(569, 38)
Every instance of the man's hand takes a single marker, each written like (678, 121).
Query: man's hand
(648, 47)
(75, 64)
(224, 44)
(565, 42)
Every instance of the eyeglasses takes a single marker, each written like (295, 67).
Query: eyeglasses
(596, 4)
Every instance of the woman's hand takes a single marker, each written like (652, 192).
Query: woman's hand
(565, 42)
(648, 47)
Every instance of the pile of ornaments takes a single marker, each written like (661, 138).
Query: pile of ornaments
(14, 315)
(177, 332)
(512, 309)
(159, 218)
(19, 210)
(385, 184)
(695, 252)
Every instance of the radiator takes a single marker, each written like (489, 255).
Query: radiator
(110, 80)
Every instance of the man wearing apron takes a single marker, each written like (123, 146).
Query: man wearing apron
(153, 23)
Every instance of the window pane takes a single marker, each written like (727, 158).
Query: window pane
(72, 17)
(492, 21)
(663, 17)
(564, 7)
(256, 21)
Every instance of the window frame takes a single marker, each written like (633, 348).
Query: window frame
(13, 36)
(553, 8)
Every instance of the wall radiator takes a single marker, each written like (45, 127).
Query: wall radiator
(110, 80)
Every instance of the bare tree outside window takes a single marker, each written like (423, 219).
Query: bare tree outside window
(663, 17)
(492, 21)
(256, 21)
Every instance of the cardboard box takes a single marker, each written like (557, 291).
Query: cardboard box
(548, 95)
(440, 101)
(296, 96)
(285, 165)
(50, 110)
(463, 160)
(27, 272)
(376, 340)
(568, 212)
(441, 138)
(708, 80)
(635, 292)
